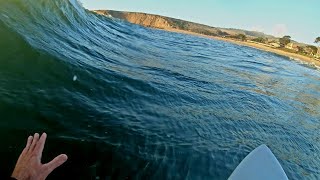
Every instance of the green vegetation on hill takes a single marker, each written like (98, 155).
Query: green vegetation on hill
(260, 40)
(241, 37)
(249, 33)
(284, 41)
(194, 27)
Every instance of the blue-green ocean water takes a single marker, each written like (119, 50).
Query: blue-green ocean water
(147, 104)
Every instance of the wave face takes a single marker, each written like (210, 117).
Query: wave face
(124, 101)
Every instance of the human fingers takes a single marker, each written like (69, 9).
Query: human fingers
(29, 141)
(56, 162)
(34, 141)
(40, 145)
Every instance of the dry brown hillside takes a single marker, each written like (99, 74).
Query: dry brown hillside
(143, 19)
(162, 22)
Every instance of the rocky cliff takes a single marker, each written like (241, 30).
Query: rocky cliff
(143, 19)
(162, 22)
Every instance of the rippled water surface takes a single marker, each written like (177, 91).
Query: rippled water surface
(147, 104)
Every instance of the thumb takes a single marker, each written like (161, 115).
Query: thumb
(56, 162)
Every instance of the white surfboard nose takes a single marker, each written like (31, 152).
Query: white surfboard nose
(260, 164)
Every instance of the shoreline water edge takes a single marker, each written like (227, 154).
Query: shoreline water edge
(291, 56)
(148, 23)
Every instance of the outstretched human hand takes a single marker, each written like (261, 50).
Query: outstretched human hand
(29, 166)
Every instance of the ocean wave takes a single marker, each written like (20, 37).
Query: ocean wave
(124, 101)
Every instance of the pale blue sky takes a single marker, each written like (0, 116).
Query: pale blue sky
(298, 18)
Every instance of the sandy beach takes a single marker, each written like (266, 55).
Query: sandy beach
(263, 47)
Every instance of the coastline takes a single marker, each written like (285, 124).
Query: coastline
(293, 56)
(170, 24)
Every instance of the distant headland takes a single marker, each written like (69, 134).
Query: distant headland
(282, 46)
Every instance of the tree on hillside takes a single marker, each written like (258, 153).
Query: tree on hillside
(301, 49)
(313, 49)
(222, 33)
(242, 37)
(260, 39)
(317, 41)
(284, 41)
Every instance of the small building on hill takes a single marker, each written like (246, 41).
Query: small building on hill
(292, 46)
(274, 44)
